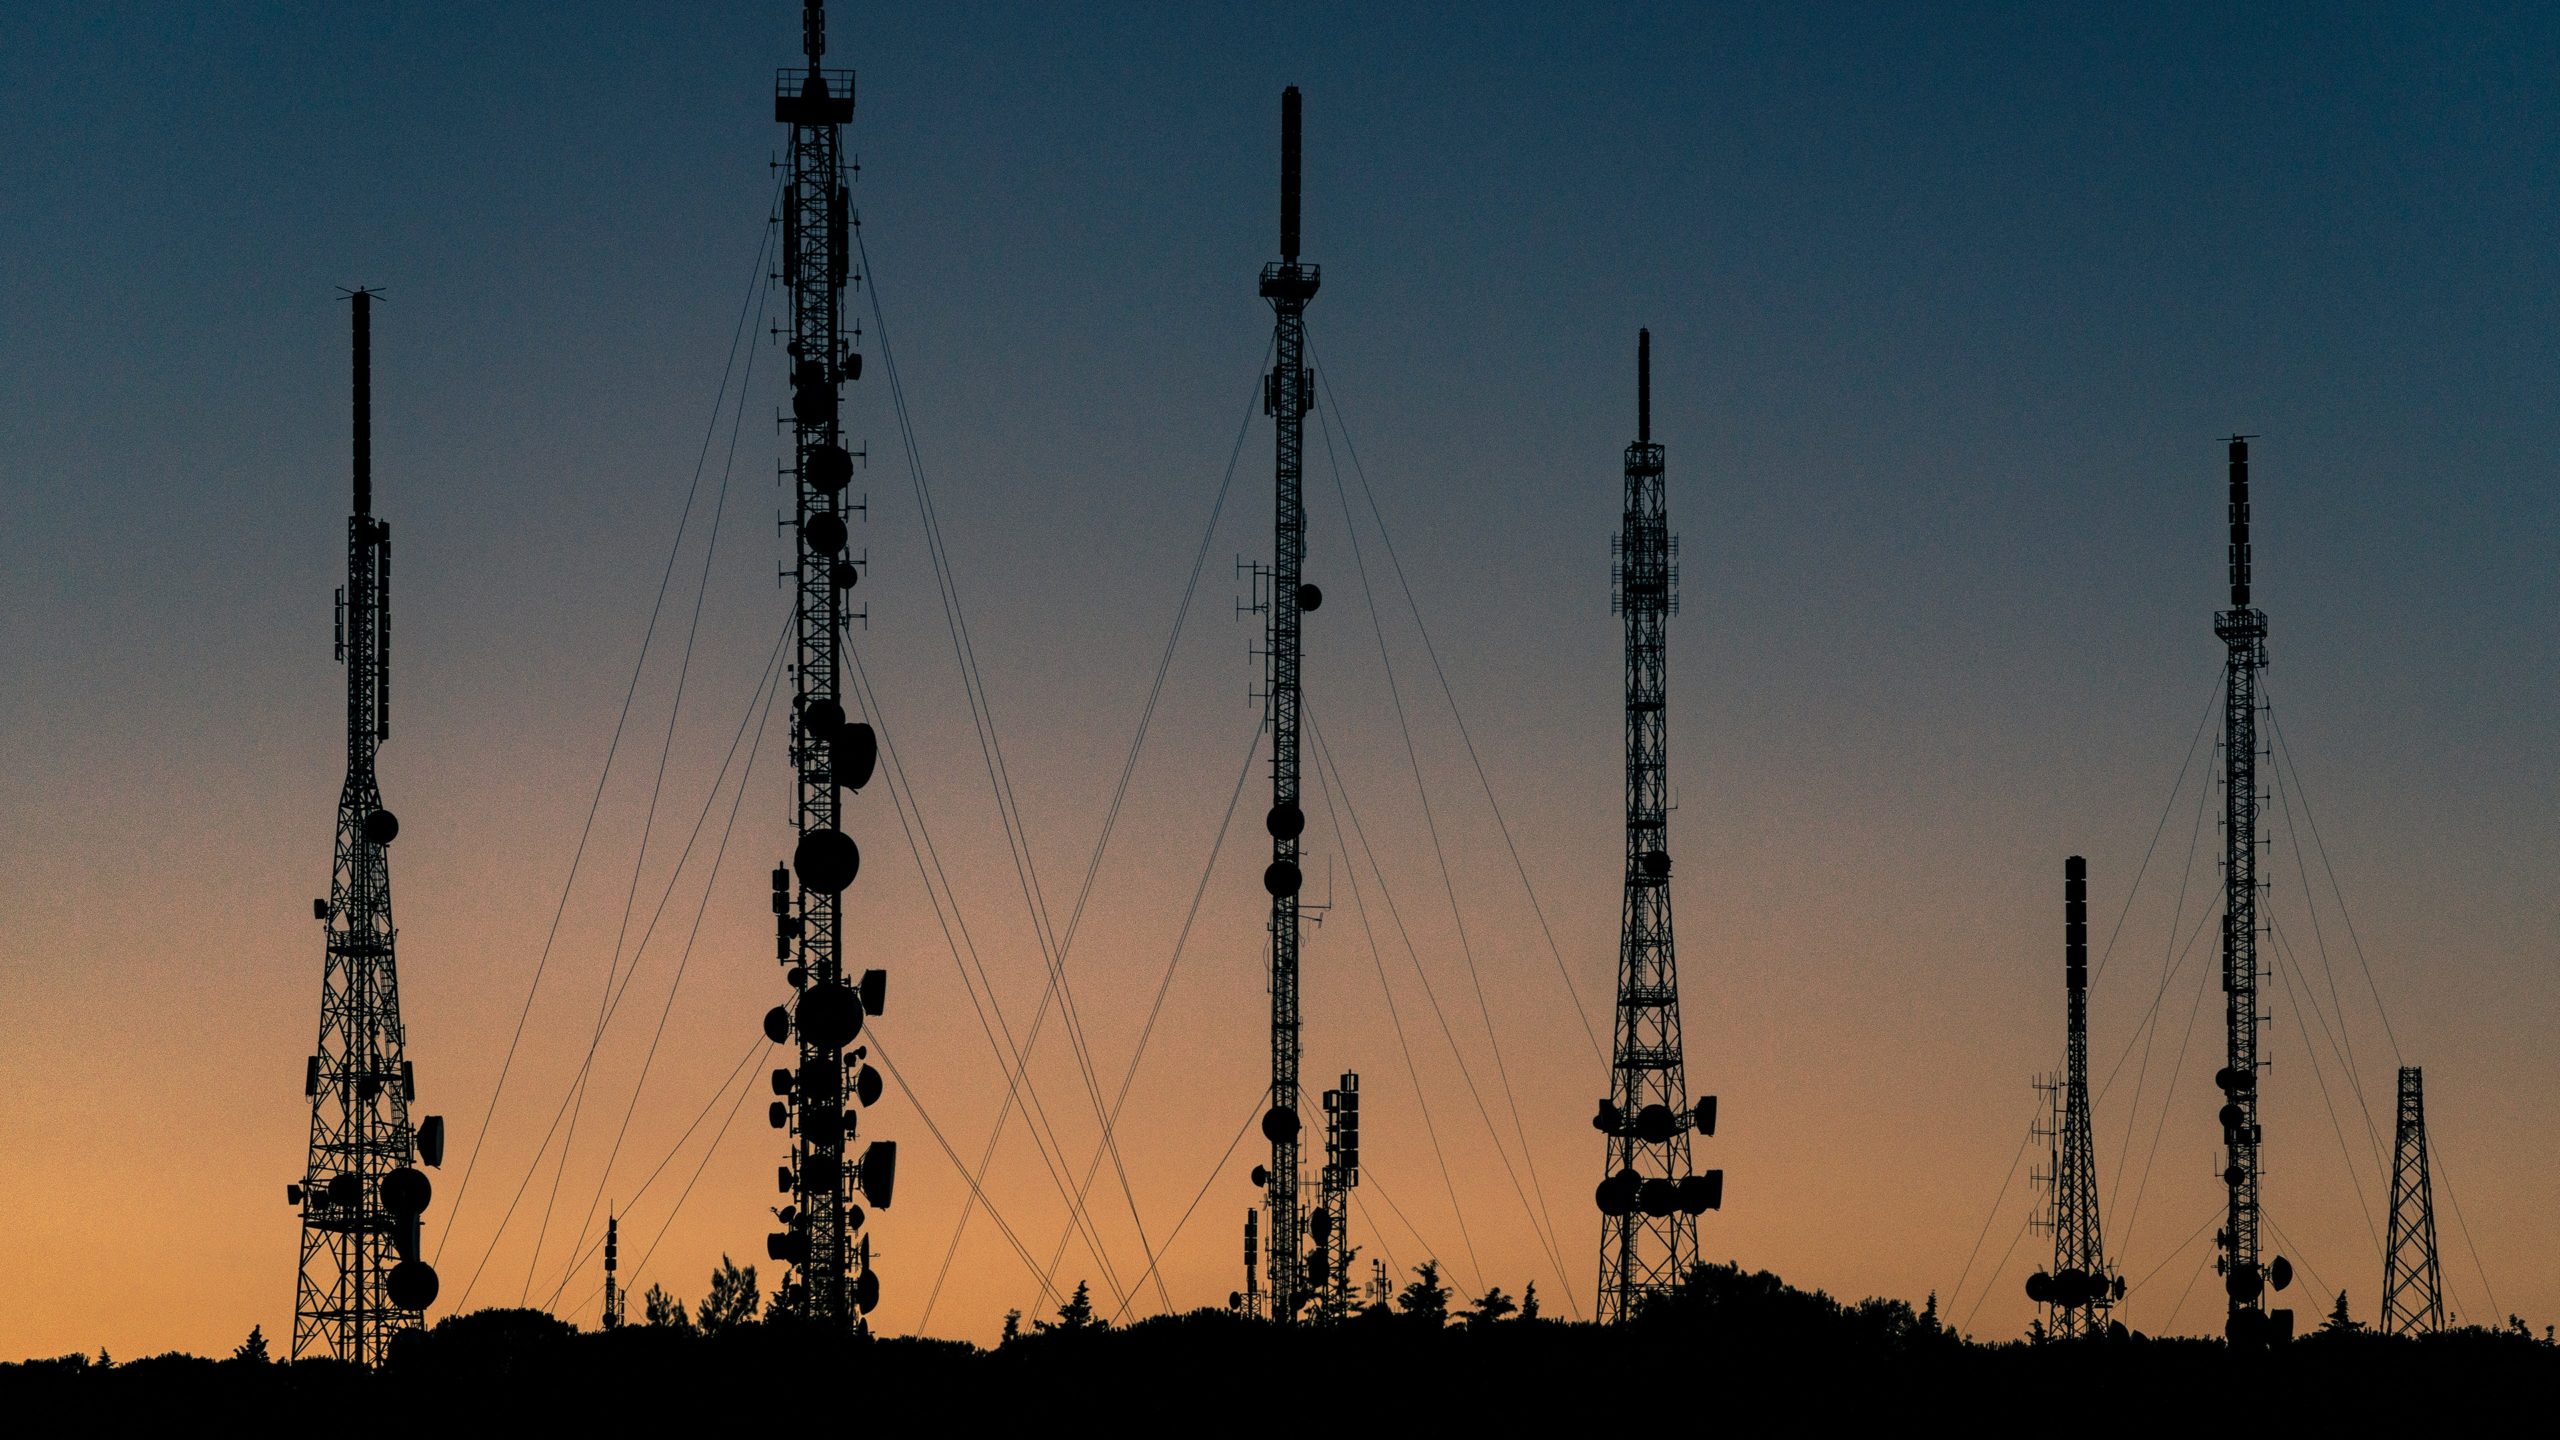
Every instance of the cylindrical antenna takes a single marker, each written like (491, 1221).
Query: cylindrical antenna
(1644, 387)
(1289, 174)
(2075, 924)
(813, 29)
(2239, 522)
(364, 401)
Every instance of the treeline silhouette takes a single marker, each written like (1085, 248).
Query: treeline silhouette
(1727, 1344)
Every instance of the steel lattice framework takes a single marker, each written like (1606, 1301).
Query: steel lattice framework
(2412, 1286)
(1288, 394)
(361, 1279)
(2243, 631)
(830, 1279)
(2081, 1288)
(1649, 1198)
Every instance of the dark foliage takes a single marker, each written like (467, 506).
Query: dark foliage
(1738, 1345)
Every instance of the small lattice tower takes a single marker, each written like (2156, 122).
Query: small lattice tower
(829, 1278)
(2080, 1288)
(1329, 1270)
(2412, 1286)
(1649, 1198)
(612, 1263)
(361, 1194)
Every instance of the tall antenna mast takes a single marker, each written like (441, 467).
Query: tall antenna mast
(2412, 1285)
(2249, 1324)
(1649, 1198)
(2081, 1288)
(829, 1279)
(1288, 394)
(361, 1195)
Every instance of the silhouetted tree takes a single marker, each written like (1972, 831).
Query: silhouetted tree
(1491, 1306)
(1529, 1302)
(732, 1299)
(2036, 1334)
(1012, 1326)
(252, 1350)
(1929, 1323)
(660, 1308)
(2339, 1321)
(1076, 1314)
(1426, 1299)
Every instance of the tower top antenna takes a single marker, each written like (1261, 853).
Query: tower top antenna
(1289, 174)
(1644, 387)
(362, 299)
(813, 30)
(2240, 521)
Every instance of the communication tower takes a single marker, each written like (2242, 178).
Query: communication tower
(1649, 1198)
(828, 1279)
(361, 1194)
(2080, 1290)
(612, 1262)
(1288, 394)
(1330, 1225)
(2249, 1323)
(2412, 1286)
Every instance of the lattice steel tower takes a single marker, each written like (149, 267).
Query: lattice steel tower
(1288, 394)
(2081, 1288)
(361, 1195)
(2412, 1286)
(2243, 630)
(829, 1279)
(1649, 1199)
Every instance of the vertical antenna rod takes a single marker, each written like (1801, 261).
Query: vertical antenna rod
(829, 1279)
(1644, 387)
(2248, 1324)
(1288, 394)
(361, 1195)
(1649, 1198)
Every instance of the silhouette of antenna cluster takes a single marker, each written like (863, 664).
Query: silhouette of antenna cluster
(821, 1098)
(361, 1195)
(1649, 1198)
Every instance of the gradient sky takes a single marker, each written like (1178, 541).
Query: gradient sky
(1950, 306)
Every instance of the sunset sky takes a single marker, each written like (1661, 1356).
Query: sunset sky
(1951, 307)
